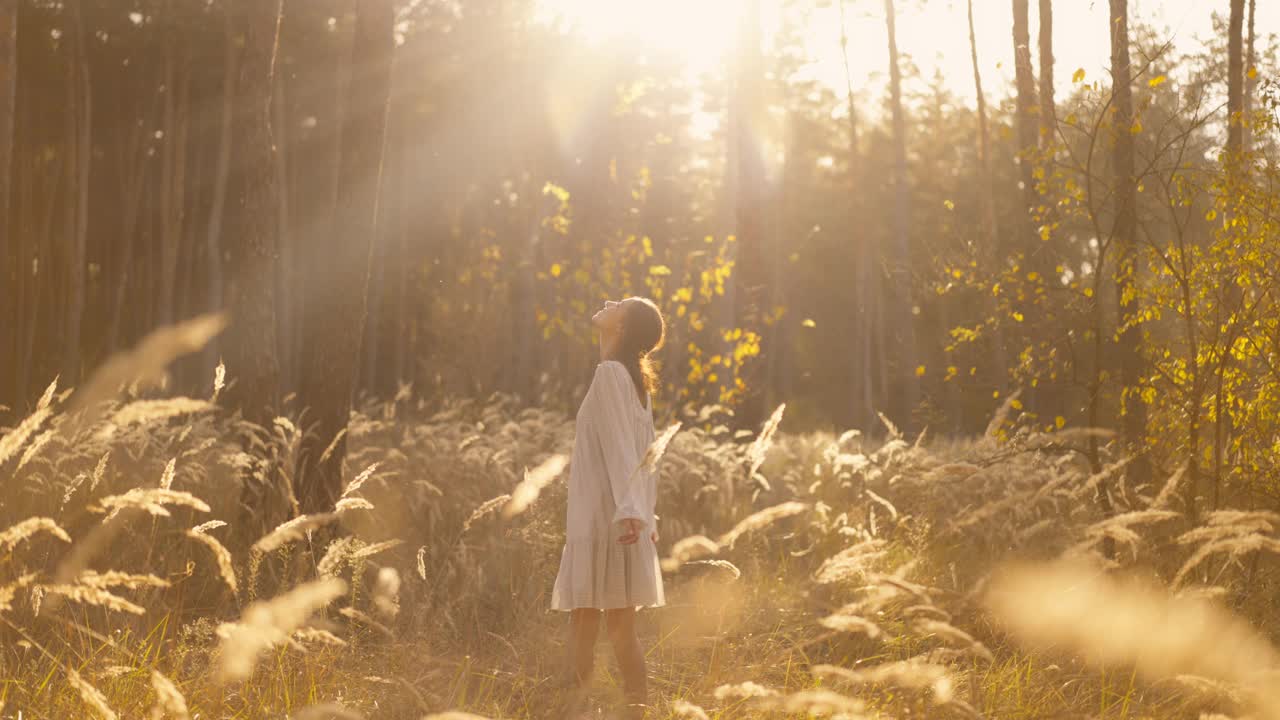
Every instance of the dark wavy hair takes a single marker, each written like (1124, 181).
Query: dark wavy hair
(643, 333)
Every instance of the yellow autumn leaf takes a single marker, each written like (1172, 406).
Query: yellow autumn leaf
(1059, 421)
(808, 322)
(949, 205)
(659, 270)
(1136, 127)
(1211, 215)
(1157, 81)
(920, 371)
(1077, 76)
(1253, 73)
(1015, 404)
(555, 270)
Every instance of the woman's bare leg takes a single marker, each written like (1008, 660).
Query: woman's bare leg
(621, 624)
(584, 625)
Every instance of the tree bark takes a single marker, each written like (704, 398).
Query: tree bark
(1133, 409)
(172, 201)
(1235, 79)
(900, 264)
(1047, 111)
(80, 155)
(252, 242)
(337, 296)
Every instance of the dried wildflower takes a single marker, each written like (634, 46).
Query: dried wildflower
(531, 486)
(169, 701)
(762, 519)
(20, 531)
(220, 553)
(91, 695)
(268, 623)
(291, 530)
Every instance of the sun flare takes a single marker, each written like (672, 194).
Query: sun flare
(698, 35)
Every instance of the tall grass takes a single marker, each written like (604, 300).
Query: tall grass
(153, 564)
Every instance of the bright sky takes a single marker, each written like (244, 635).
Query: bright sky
(933, 33)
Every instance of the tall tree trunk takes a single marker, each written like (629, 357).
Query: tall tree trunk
(863, 379)
(79, 118)
(1047, 111)
(252, 243)
(1250, 82)
(990, 228)
(1235, 79)
(337, 297)
(9, 258)
(1134, 420)
(174, 163)
(1025, 84)
(900, 264)
(287, 269)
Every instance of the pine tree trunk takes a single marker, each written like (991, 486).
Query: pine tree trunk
(984, 146)
(865, 389)
(900, 263)
(1251, 80)
(9, 258)
(173, 167)
(1134, 420)
(1235, 79)
(251, 242)
(336, 300)
(1047, 111)
(79, 119)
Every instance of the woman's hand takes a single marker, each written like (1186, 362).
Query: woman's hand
(631, 531)
(653, 536)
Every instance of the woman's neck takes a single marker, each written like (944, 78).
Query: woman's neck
(608, 349)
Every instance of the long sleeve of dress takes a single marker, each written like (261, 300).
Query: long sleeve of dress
(613, 398)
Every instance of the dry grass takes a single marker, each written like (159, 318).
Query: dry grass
(837, 576)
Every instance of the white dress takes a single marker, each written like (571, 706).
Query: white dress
(611, 436)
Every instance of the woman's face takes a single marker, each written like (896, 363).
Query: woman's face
(609, 318)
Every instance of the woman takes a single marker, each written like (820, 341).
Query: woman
(609, 565)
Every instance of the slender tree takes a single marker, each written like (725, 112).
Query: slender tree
(251, 242)
(8, 253)
(1046, 109)
(1025, 85)
(1124, 235)
(866, 328)
(984, 142)
(1235, 78)
(1251, 79)
(337, 292)
(903, 303)
(80, 158)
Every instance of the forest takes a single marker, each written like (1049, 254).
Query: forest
(969, 398)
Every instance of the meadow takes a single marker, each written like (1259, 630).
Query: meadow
(155, 565)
